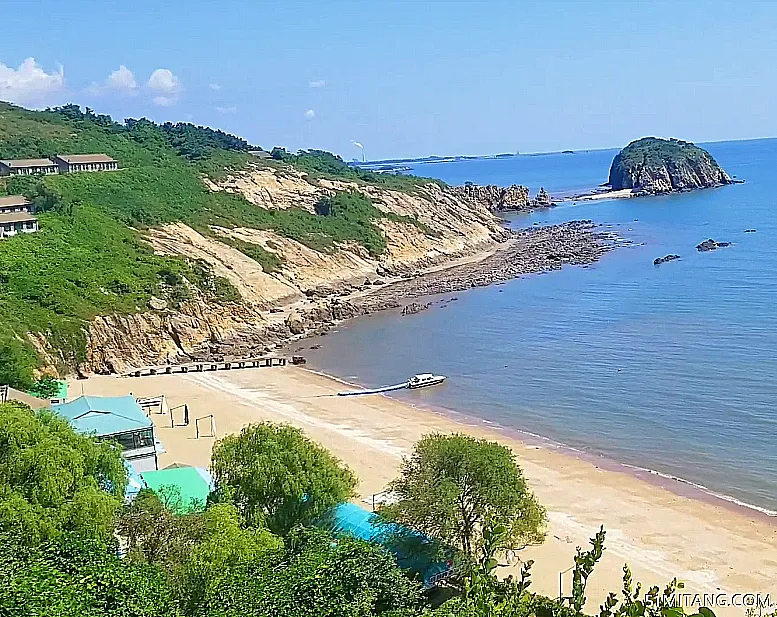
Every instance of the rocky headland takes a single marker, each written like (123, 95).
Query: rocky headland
(513, 198)
(653, 166)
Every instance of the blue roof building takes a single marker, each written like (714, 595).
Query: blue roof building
(118, 418)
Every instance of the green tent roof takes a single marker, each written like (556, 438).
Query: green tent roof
(193, 483)
(104, 415)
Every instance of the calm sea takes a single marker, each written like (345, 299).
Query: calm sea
(670, 368)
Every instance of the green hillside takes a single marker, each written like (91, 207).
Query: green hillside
(89, 259)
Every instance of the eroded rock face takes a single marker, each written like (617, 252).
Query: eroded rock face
(498, 198)
(542, 199)
(651, 166)
(118, 342)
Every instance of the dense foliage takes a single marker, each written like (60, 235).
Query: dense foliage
(75, 576)
(53, 480)
(279, 478)
(89, 257)
(453, 486)
(318, 577)
(197, 550)
(215, 563)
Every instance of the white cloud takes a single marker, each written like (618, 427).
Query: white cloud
(226, 110)
(319, 83)
(165, 86)
(215, 87)
(310, 114)
(30, 83)
(122, 81)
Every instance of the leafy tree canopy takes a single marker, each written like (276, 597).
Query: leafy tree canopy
(46, 388)
(78, 577)
(278, 477)
(319, 577)
(54, 480)
(454, 486)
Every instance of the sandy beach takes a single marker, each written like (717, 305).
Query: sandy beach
(714, 547)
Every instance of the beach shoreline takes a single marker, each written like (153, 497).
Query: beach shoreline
(676, 484)
(533, 250)
(712, 546)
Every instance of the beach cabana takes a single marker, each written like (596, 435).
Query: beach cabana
(118, 418)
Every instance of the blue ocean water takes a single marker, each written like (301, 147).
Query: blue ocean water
(668, 367)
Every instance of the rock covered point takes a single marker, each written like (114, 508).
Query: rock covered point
(652, 166)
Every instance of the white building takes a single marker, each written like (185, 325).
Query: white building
(15, 216)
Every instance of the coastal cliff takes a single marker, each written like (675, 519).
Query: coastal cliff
(196, 243)
(451, 227)
(652, 166)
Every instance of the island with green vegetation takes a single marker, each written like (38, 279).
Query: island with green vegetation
(652, 166)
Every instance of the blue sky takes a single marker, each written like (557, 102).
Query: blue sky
(406, 78)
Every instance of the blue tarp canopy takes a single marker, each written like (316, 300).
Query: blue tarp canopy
(414, 551)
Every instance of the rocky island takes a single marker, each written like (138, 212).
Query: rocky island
(653, 166)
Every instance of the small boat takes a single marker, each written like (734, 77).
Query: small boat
(424, 379)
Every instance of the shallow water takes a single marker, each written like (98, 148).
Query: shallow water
(669, 367)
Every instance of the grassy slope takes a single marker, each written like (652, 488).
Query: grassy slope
(88, 259)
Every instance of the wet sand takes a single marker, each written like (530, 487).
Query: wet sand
(714, 547)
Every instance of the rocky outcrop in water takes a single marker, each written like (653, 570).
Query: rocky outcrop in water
(498, 198)
(414, 308)
(513, 198)
(542, 199)
(662, 260)
(711, 245)
(651, 166)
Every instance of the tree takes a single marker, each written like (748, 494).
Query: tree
(46, 387)
(17, 360)
(78, 577)
(196, 550)
(486, 595)
(316, 575)
(453, 486)
(54, 480)
(279, 478)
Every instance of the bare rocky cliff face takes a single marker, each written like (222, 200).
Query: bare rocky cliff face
(653, 166)
(461, 225)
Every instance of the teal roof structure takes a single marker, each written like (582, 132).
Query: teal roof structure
(104, 415)
(413, 551)
(193, 483)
